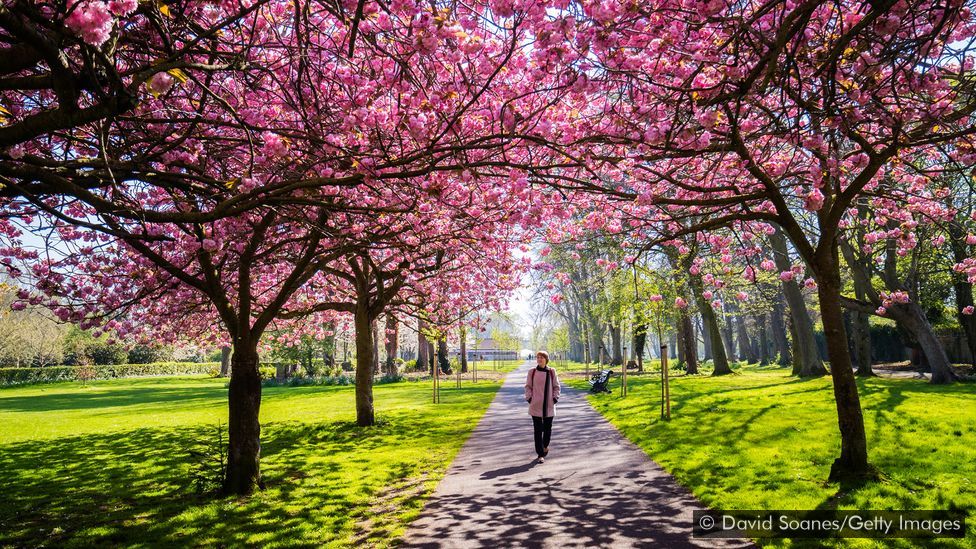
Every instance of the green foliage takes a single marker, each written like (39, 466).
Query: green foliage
(208, 463)
(107, 465)
(339, 380)
(24, 376)
(143, 354)
(389, 378)
(765, 440)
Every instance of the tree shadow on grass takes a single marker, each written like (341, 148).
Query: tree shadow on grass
(133, 487)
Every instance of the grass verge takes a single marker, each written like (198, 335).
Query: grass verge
(107, 464)
(762, 439)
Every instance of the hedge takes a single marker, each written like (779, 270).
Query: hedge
(47, 374)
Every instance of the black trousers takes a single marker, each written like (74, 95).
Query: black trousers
(543, 431)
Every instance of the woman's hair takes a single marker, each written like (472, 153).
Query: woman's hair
(545, 354)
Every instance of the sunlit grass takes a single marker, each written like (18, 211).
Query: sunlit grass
(108, 464)
(762, 439)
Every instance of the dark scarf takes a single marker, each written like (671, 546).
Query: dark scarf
(545, 391)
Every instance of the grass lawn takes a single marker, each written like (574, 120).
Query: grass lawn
(108, 464)
(762, 439)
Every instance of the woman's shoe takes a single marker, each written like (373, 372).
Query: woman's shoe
(542, 459)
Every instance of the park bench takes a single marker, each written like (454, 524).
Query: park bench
(599, 381)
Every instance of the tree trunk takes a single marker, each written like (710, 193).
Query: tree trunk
(225, 361)
(706, 340)
(573, 332)
(463, 334)
(423, 360)
(728, 339)
(853, 460)
(443, 361)
(710, 323)
(365, 365)
(680, 335)
(912, 319)
(690, 343)
(963, 289)
(780, 342)
(640, 341)
(243, 474)
(392, 344)
(596, 340)
(763, 339)
(806, 356)
(615, 341)
(861, 334)
(745, 343)
(375, 329)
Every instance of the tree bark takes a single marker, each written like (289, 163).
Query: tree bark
(374, 328)
(853, 460)
(463, 334)
(706, 341)
(729, 339)
(392, 344)
(423, 360)
(640, 341)
(763, 339)
(225, 361)
(714, 338)
(443, 361)
(615, 341)
(806, 356)
(689, 343)
(365, 365)
(746, 347)
(780, 342)
(962, 288)
(911, 318)
(861, 334)
(243, 474)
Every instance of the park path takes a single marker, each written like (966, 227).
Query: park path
(596, 488)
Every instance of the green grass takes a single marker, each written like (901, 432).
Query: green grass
(108, 464)
(498, 365)
(762, 439)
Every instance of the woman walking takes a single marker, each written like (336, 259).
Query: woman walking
(542, 394)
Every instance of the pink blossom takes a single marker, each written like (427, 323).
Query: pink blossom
(810, 283)
(20, 306)
(786, 276)
(161, 82)
(881, 311)
(556, 299)
(742, 296)
(971, 239)
(91, 20)
(767, 265)
(716, 304)
(680, 303)
(656, 298)
(967, 310)
(707, 294)
(814, 200)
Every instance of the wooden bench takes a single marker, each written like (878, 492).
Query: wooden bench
(599, 381)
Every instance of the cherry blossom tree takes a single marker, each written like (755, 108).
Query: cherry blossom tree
(785, 113)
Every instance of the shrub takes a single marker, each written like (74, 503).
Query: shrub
(22, 376)
(388, 378)
(308, 381)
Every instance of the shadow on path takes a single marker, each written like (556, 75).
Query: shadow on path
(595, 489)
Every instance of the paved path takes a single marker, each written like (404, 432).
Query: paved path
(596, 489)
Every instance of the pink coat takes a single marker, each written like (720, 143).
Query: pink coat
(535, 386)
